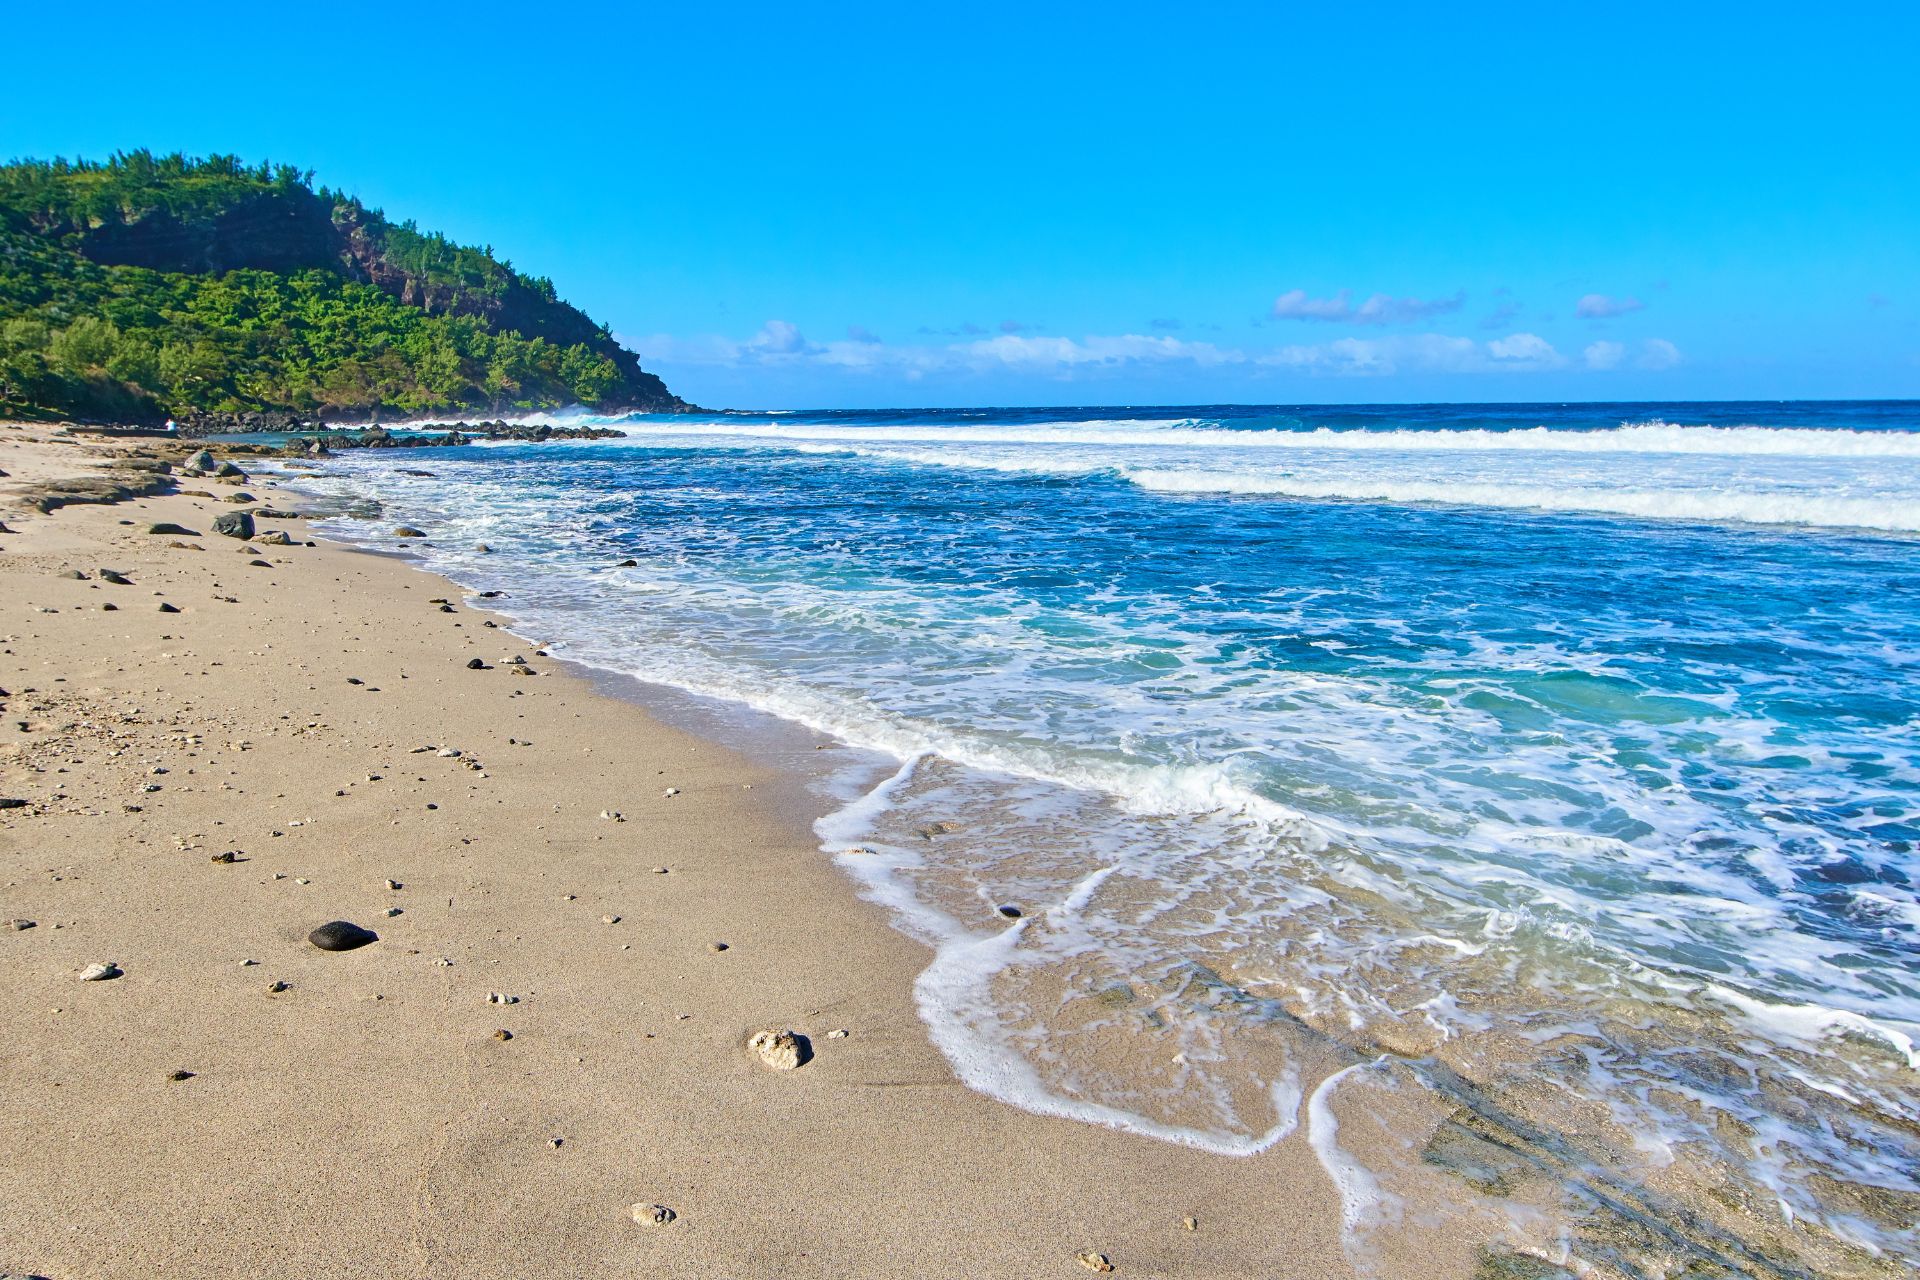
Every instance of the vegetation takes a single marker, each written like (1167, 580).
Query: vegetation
(153, 286)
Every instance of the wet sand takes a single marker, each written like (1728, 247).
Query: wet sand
(369, 1118)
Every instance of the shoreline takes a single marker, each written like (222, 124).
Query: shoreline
(366, 1120)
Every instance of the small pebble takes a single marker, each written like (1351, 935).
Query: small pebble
(1093, 1261)
(101, 972)
(781, 1050)
(177, 1076)
(609, 919)
(659, 871)
(20, 926)
(648, 1215)
(716, 946)
(503, 1034)
(393, 884)
(841, 1034)
(392, 912)
(495, 997)
(475, 664)
(275, 988)
(1191, 1224)
(341, 935)
(228, 858)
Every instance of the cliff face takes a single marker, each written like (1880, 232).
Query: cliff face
(271, 231)
(189, 218)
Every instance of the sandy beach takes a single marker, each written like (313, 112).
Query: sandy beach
(238, 1102)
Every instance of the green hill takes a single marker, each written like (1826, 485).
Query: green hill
(155, 286)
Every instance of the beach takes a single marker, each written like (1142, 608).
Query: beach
(545, 1034)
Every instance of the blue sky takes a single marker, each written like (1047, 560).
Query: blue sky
(1079, 204)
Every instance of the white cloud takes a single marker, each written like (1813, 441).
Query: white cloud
(780, 344)
(1604, 355)
(1525, 350)
(1598, 306)
(1658, 353)
(777, 337)
(1378, 309)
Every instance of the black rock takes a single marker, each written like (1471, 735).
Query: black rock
(261, 564)
(109, 607)
(8, 802)
(75, 574)
(168, 527)
(476, 664)
(235, 524)
(628, 564)
(168, 608)
(1011, 912)
(178, 1076)
(341, 935)
(117, 579)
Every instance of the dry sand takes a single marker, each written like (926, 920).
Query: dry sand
(369, 1120)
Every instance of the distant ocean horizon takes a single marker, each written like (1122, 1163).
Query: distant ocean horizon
(1553, 765)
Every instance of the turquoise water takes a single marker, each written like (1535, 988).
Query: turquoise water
(1565, 761)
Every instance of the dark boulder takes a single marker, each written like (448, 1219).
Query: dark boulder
(235, 524)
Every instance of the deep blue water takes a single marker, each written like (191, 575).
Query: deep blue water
(1508, 738)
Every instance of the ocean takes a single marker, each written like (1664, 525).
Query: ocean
(1539, 780)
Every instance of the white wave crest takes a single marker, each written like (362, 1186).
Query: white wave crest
(1892, 514)
(1644, 438)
